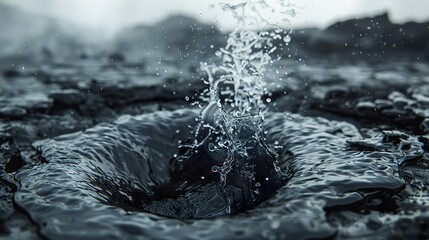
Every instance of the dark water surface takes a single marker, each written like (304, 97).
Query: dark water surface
(73, 165)
(106, 183)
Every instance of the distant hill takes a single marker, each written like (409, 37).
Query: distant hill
(26, 34)
(369, 36)
(177, 37)
(181, 37)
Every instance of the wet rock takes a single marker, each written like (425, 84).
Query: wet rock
(422, 90)
(105, 115)
(43, 126)
(383, 104)
(22, 134)
(336, 93)
(13, 112)
(10, 162)
(32, 102)
(154, 89)
(407, 228)
(366, 107)
(394, 135)
(395, 113)
(396, 95)
(424, 126)
(421, 112)
(421, 97)
(10, 156)
(49, 126)
(425, 140)
(418, 174)
(135, 109)
(410, 148)
(17, 225)
(117, 58)
(374, 223)
(400, 100)
(6, 208)
(10, 73)
(67, 97)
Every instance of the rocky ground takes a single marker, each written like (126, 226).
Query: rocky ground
(42, 100)
(370, 72)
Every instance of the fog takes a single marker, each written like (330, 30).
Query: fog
(113, 15)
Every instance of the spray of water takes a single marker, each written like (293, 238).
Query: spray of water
(231, 123)
(248, 52)
(237, 85)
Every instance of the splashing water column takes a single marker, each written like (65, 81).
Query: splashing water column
(232, 151)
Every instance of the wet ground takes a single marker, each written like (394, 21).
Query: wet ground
(353, 134)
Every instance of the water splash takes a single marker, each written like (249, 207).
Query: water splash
(237, 86)
(230, 139)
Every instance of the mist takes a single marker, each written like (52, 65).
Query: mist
(113, 15)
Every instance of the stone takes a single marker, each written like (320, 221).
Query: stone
(6, 207)
(396, 113)
(33, 102)
(383, 104)
(424, 126)
(421, 112)
(394, 135)
(421, 98)
(399, 100)
(13, 112)
(10, 156)
(10, 73)
(366, 106)
(67, 97)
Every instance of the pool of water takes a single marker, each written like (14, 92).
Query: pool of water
(114, 181)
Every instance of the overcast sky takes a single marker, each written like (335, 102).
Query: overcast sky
(115, 14)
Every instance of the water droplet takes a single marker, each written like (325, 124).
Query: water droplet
(275, 224)
(211, 147)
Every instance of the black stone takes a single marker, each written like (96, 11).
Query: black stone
(10, 73)
(10, 156)
(425, 125)
(13, 112)
(68, 97)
